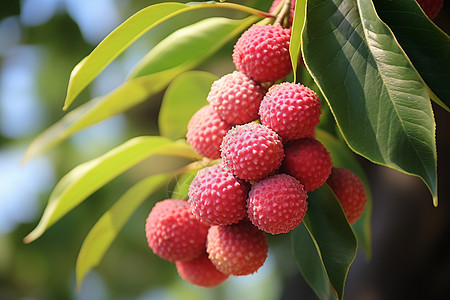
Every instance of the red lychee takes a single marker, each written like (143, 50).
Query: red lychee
(173, 232)
(217, 196)
(236, 98)
(262, 53)
(291, 110)
(238, 249)
(431, 7)
(307, 160)
(350, 191)
(252, 151)
(200, 271)
(277, 204)
(205, 132)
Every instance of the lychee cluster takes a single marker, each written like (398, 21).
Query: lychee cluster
(263, 132)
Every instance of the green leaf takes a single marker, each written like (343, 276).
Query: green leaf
(379, 102)
(184, 96)
(324, 245)
(119, 100)
(107, 228)
(124, 35)
(426, 45)
(342, 157)
(188, 46)
(88, 177)
(296, 34)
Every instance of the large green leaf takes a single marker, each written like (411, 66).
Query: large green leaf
(101, 236)
(184, 96)
(379, 102)
(426, 45)
(209, 34)
(88, 177)
(296, 34)
(342, 157)
(324, 245)
(188, 46)
(124, 35)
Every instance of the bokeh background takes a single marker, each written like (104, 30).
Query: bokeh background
(40, 42)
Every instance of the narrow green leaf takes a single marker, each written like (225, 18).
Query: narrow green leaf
(379, 102)
(341, 156)
(128, 32)
(184, 96)
(189, 46)
(165, 63)
(324, 245)
(426, 45)
(119, 100)
(101, 236)
(296, 34)
(88, 177)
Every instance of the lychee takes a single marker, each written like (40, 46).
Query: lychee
(262, 53)
(252, 151)
(218, 197)
(173, 232)
(277, 204)
(307, 160)
(350, 191)
(236, 98)
(200, 271)
(291, 110)
(205, 131)
(238, 249)
(431, 7)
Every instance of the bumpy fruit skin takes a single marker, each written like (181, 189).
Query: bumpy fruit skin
(201, 272)
(291, 110)
(309, 161)
(277, 204)
(431, 7)
(291, 9)
(252, 151)
(205, 131)
(217, 197)
(262, 53)
(173, 232)
(236, 98)
(350, 191)
(238, 249)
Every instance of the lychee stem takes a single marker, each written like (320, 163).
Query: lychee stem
(284, 12)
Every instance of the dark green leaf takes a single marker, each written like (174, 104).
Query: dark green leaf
(107, 228)
(426, 45)
(341, 156)
(184, 96)
(88, 177)
(379, 102)
(324, 245)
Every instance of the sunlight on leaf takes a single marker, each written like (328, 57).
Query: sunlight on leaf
(86, 178)
(296, 35)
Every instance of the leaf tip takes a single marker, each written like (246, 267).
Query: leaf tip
(435, 201)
